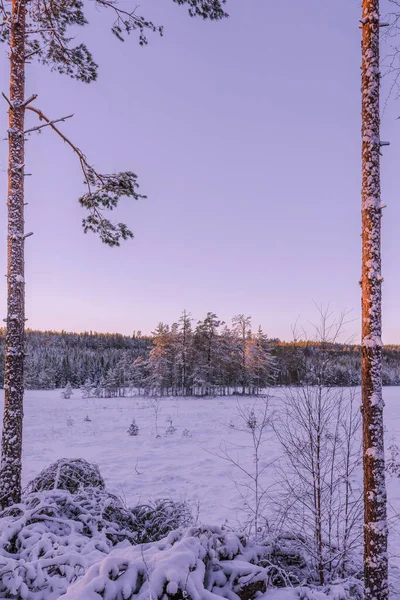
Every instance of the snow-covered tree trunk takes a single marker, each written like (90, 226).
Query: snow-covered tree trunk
(11, 448)
(375, 524)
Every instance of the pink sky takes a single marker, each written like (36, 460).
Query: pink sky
(245, 137)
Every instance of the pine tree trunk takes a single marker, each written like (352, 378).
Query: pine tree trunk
(11, 449)
(375, 524)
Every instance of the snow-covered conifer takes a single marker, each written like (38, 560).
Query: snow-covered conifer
(111, 384)
(86, 389)
(159, 363)
(241, 328)
(184, 353)
(133, 428)
(206, 353)
(261, 365)
(67, 392)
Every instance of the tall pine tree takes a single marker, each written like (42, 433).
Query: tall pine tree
(375, 519)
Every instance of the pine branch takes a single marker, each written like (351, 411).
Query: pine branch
(128, 21)
(103, 190)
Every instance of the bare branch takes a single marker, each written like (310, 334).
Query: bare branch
(40, 127)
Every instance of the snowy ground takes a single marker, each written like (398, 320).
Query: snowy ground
(177, 466)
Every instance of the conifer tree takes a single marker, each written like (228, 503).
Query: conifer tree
(242, 332)
(68, 392)
(86, 389)
(37, 29)
(260, 363)
(111, 384)
(138, 373)
(133, 429)
(185, 352)
(206, 352)
(375, 519)
(159, 364)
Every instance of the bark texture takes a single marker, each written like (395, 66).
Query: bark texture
(11, 446)
(375, 522)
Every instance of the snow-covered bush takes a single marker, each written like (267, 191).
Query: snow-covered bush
(290, 553)
(198, 564)
(52, 538)
(171, 429)
(133, 428)
(154, 521)
(393, 462)
(67, 392)
(86, 545)
(67, 474)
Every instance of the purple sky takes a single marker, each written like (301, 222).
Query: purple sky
(245, 137)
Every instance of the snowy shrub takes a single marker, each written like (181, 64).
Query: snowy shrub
(170, 429)
(348, 589)
(133, 428)
(393, 462)
(194, 565)
(293, 560)
(67, 474)
(52, 538)
(154, 521)
(286, 552)
(87, 419)
(70, 538)
(70, 421)
(85, 545)
(67, 392)
(186, 433)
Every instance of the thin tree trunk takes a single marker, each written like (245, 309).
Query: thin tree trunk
(11, 449)
(319, 491)
(375, 529)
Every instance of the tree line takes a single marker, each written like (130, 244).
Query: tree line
(186, 358)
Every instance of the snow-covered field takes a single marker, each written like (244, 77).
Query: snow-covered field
(182, 466)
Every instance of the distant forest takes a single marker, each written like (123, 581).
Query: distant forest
(209, 358)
